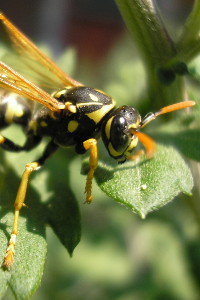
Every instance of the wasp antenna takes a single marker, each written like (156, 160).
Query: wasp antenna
(176, 106)
(152, 116)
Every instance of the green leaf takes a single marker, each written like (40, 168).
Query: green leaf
(148, 185)
(25, 275)
(63, 212)
(187, 142)
(183, 133)
(49, 200)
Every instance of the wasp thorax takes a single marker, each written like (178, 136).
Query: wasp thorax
(117, 134)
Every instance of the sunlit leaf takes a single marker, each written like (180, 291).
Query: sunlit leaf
(146, 185)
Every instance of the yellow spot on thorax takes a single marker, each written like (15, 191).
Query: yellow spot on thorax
(33, 126)
(97, 115)
(43, 124)
(72, 126)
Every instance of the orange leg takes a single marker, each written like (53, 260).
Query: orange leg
(19, 203)
(148, 143)
(136, 155)
(20, 198)
(91, 144)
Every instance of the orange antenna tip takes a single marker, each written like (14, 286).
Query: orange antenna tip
(176, 106)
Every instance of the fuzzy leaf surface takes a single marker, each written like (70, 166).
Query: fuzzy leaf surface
(145, 186)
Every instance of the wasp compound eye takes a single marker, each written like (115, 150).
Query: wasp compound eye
(116, 133)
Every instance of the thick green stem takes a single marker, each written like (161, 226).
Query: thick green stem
(146, 27)
(191, 30)
(155, 46)
(188, 45)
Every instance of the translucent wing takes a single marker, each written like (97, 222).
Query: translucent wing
(41, 65)
(11, 80)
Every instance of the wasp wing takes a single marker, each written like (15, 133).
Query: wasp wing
(13, 81)
(47, 72)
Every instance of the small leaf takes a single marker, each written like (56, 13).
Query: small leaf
(49, 199)
(183, 134)
(25, 275)
(148, 185)
(63, 211)
(187, 142)
(27, 270)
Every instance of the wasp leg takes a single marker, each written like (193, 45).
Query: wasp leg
(91, 144)
(31, 142)
(136, 155)
(20, 198)
(8, 145)
(148, 143)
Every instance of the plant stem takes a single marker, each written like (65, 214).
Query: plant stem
(188, 44)
(146, 27)
(155, 46)
(191, 29)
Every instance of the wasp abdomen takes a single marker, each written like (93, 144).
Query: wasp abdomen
(13, 109)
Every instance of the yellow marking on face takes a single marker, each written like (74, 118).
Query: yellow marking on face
(72, 126)
(97, 115)
(135, 125)
(132, 145)
(112, 151)
(107, 128)
(94, 97)
(2, 139)
(43, 124)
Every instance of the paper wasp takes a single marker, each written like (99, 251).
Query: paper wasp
(73, 115)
